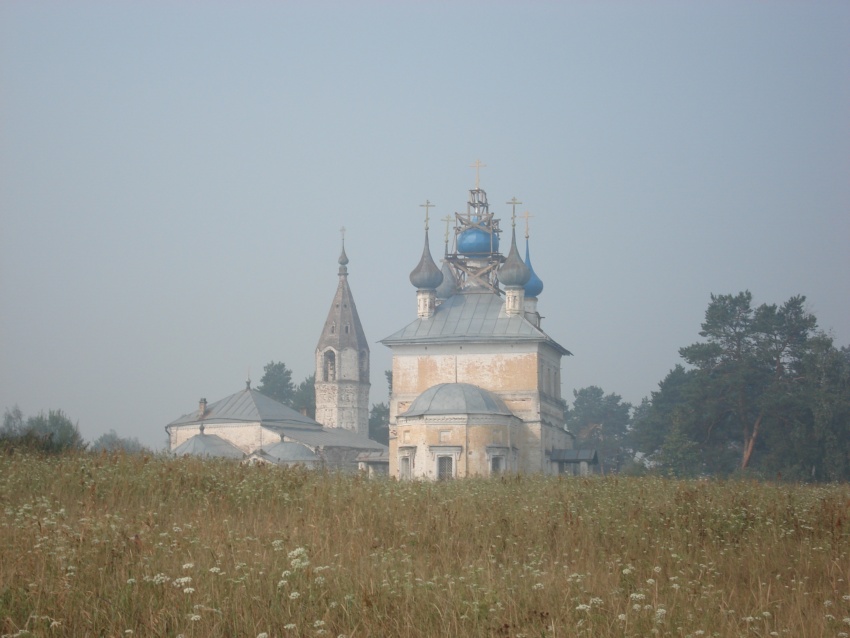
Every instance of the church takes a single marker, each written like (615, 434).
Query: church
(476, 382)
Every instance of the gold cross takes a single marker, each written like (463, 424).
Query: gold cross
(448, 220)
(514, 201)
(477, 166)
(527, 216)
(427, 205)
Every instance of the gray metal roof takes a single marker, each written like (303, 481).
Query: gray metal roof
(457, 398)
(208, 445)
(574, 456)
(288, 452)
(247, 406)
(329, 437)
(469, 317)
(374, 457)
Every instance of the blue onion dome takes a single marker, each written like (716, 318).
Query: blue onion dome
(449, 286)
(514, 272)
(535, 285)
(426, 275)
(475, 241)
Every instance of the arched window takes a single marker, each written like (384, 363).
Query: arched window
(347, 327)
(333, 328)
(329, 366)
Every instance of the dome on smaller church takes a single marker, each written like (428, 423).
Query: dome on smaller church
(457, 398)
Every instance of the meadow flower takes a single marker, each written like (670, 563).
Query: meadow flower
(298, 558)
(289, 626)
(262, 635)
(294, 595)
(188, 565)
(194, 617)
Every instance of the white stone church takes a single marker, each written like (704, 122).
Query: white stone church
(476, 387)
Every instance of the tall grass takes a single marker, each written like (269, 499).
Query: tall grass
(128, 545)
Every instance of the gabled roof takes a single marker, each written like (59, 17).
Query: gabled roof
(249, 406)
(471, 317)
(208, 445)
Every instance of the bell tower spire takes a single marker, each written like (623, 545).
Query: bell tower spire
(342, 361)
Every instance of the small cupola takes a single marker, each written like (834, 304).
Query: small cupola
(426, 275)
(513, 275)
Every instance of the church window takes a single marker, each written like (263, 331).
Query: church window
(329, 367)
(497, 464)
(445, 468)
(404, 467)
(347, 327)
(333, 328)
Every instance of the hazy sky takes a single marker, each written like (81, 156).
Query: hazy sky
(173, 177)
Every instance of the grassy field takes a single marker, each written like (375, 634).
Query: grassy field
(123, 545)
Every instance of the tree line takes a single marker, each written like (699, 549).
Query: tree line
(54, 433)
(765, 393)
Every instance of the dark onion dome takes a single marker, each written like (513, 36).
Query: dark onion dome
(457, 398)
(426, 275)
(514, 272)
(449, 287)
(343, 258)
(535, 285)
(475, 241)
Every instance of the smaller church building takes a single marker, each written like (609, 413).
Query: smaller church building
(254, 428)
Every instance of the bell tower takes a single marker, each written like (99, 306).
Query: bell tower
(342, 362)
